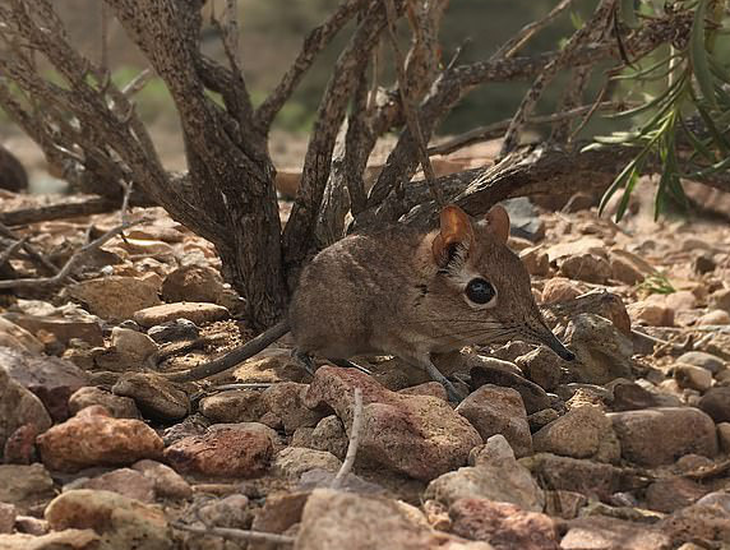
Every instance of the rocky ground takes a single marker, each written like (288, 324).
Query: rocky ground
(627, 448)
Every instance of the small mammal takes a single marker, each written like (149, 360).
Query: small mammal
(13, 176)
(409, 293)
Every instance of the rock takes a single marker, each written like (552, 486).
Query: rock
(20, 446)
(578, 475)
(292, 462)
(334, 520)
(156, 397)
(120, 521)
(418, 435)
(692, 377)
(19, 407)
(65, 323)
(629, 396)
(542, 366)
(603, 352)
(714, 317)
(285, 400)
(670, 494)
(564, 504)
(25, 486)
(599, 302)
(713, 363)
(584, 245)
(497, 410)
(117, 406)
(229, 512)
(93, 438)
(681, 300)
(716, 403)
(135, 348)
(196, 312)
(225, 450)
(173, 331)
(651, 313)
(192, 283)
(328, 435)
(559, 289)
(281, 511)
(116, 297)
(582, 432)
(434, 389)
(704, 264)
(536, 261)
(652, 437)
(504, 526)
(720, 499)
(8, 514)
(604, 533)
(720, 299)
(709, 522)
(68, 539)
(52, 379)
(586, 267)
(195, 424)
(533, 396)
(271, 366)
(625, 270)
(233, 406)
(16, 337)
(723, 436)
(495, 476)
(542, 418)
(126, 482)
(166, 482)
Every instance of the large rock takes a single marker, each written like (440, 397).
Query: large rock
(582, 432)
(93, 438)
(716, 403)
(652, 437)
(418, 435)
(19, 407)
(156, 397)
(292, 462)
(117, 405)
(16, 337)
(604, 533)
(193, 283)
(167, 483)
(197, 312)
(504, 526)
(233, 406)
(124, 481)
(120, 521)
(285, 400)
(708, 361)
(701, 521)
(52, 379)
(497, 410)
(68, 539)
(25, 486)
(225, 450)
(533, 396)
(335, 520)
(590, 268)
(496, 475)
(116, 297)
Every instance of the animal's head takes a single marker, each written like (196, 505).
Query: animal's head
(480, 288)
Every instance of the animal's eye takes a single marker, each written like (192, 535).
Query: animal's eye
(480, 291)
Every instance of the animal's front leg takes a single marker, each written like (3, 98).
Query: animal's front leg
(424, 362)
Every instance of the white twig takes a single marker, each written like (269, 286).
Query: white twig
(69, 265)
(354, 441)
(137, 83)
(235, 534)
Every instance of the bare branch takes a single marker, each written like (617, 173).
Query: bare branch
(69, 266)
(572, 96)
(517, 42)
(355, 428)
(10, 251)
(314, 43)
(41, 261)
(234, 534)
(581, 37)
(411, 110)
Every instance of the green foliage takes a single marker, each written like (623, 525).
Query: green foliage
(656, 284)
(678, 83)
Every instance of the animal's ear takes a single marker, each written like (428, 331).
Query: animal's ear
(498, 223)
(456, 235)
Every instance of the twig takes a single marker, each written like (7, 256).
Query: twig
(11, 250)
(572, 96)
(35, 256)
(234, 534)
(514, 44)
(354, 441)
(138, 82)
(410, 110)
(69, 265)
(596, 105)
(25, 216)
(494, 130)
(243, 386)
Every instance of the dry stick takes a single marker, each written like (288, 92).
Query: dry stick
(572, 94)
(352, 445)
(589, 114)
(234, 534)
(137, 83)
(514, 44)
(409, 109)
(494, 130)
(11, 250)
(34, 255)
(584, 34)
(69, 265)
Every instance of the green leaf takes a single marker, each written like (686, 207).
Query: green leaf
(697, 144)
(630, 184)
(699, 55)
(628, 14)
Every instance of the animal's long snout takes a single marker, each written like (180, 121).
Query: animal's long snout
(545, 336)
